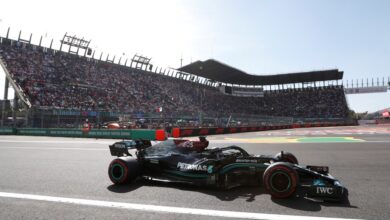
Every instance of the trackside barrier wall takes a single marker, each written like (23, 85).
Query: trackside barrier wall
(94, 133)
(160, 135)
(186, 132)
(154, 134)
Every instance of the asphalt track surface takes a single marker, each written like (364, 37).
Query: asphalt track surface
(77, 169)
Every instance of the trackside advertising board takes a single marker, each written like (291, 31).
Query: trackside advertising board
(94, 133)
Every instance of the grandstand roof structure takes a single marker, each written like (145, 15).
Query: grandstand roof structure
(220, 72)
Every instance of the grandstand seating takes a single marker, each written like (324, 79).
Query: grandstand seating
(54, 79)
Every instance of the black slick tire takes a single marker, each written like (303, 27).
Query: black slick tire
(123, 170)
(280, 180)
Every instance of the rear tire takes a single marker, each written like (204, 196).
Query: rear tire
(287, 157)
(123, 170)
(280, 180)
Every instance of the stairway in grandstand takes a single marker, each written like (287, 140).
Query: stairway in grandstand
(18, 90)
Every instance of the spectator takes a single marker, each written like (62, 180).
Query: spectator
(53, 79)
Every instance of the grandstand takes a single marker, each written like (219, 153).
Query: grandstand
(61, 89)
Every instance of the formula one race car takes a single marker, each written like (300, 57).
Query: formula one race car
(177, 160)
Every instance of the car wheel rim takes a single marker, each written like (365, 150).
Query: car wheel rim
(117, 171)
(280, 182)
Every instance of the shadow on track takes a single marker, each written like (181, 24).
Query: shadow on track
(125, 188)
(298, 202)
(248, 193)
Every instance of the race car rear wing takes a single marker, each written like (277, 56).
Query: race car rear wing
(122, 148)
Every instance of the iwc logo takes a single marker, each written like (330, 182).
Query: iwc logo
(325, 190)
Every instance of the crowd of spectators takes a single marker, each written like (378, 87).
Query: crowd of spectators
(55, 79)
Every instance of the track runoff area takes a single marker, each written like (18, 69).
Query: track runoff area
(66, 178)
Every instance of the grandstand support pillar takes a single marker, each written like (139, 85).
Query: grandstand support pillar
(131, 63)
(15, 107)
(8, 32)
(98, 119)
(26, 109)
(41, 119)
(6, 85)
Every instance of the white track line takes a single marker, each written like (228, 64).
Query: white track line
(166, 209)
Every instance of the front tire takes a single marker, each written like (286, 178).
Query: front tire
(280, 180)
(123, 170)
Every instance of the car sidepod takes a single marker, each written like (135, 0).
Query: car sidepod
(241, 174)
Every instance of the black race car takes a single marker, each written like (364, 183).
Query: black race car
(177, 160)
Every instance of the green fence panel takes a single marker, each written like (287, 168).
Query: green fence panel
(143, 134)
(123, 134)
(116, 134)
(8, 131)
(65, 132)
(94, 133)
(32, 131)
